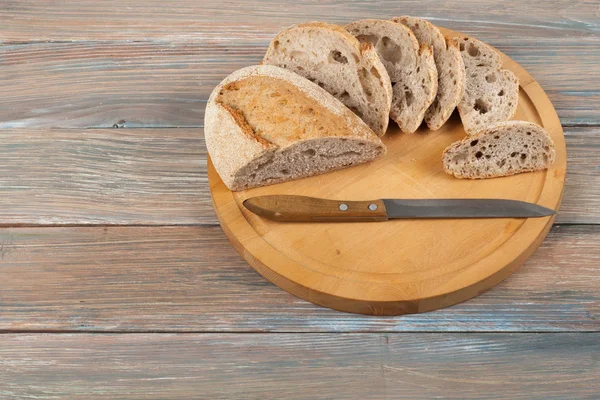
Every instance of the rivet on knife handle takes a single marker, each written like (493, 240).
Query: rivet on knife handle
(291, 208)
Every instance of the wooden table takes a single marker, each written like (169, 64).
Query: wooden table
(117, 282)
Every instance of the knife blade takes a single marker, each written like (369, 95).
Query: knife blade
(292, 208)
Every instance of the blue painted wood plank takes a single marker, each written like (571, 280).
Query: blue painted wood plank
(301, 366)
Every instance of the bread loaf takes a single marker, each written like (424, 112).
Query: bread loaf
(266, 125)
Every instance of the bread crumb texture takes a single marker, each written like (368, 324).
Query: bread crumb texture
(505, 149)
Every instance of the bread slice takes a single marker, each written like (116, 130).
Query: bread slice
(491, 93)
(266, 125)
(411, 68)
(503, 149)
(329, 56)
(449, 65)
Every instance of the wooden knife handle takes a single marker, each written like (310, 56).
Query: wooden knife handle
(290, 208)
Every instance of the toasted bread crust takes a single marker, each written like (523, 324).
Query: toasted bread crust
(349, 78)
(239, 119)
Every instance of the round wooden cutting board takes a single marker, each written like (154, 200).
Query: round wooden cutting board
(400, 266)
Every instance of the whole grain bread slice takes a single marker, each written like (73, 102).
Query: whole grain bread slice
(411, 68)
(449, 65)
(266, 125)
(491, 94)
(503, 149)
(329, 56)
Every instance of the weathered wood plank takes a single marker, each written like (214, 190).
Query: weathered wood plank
(582, 187)
(305, 366)
(108, 84)
(114, 176)
(248, 20)
(166, 85)
(190, 279)
(158, 177)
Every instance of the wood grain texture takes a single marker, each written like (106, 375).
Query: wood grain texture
(152, 64)
(309, 366)
(308, 209)
(233, 21)
(114, 176)
(158, 177)
(110, 84)
(118, 279)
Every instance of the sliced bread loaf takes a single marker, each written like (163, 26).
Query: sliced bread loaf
(411, 68)
(329, 56)
(503, 149)
(449, 65)
(266, 125)
(491, 94)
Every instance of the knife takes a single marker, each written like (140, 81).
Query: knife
(290, 208)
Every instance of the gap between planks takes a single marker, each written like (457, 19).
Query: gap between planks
(6, 332)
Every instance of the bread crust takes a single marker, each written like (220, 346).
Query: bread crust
(231, 142)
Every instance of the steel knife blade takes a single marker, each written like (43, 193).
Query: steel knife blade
(292, 208)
